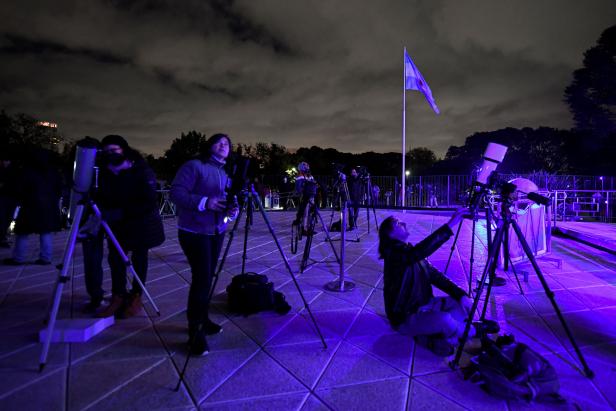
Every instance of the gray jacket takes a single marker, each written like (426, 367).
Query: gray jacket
(194, 180)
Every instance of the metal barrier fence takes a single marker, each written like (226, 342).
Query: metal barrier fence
(584, 205)
(575, 197)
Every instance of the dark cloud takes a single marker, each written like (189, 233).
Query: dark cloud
(297, 73)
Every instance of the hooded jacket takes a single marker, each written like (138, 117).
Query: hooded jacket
(408, 276)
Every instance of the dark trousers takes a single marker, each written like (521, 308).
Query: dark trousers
(92, 247)
(202, 252)
(353, 214)
(139, 259)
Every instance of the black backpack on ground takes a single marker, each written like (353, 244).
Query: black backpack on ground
(250, 293)
(513, 370)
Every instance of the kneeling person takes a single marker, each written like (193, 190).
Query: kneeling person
(412, 309)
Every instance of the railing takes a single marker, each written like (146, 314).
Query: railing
(575, 197)
(584, 205)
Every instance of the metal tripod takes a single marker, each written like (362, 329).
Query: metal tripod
(341, 200)
(489, 217)
(314, 215)
(64, 276)
(367, 180)
(503, 224)
(250, 198)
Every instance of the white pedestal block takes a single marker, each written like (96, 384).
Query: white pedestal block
(77, 330)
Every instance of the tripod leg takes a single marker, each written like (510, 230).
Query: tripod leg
(226, 253)
(472, 259)
(122, 254)
(327, 236)
(63, 278)
(309, 235)
(286, 262)
(453, 247)
(515, 274)
(489, 290)
(550, 294)
(129, 265)
(498, 236)
(246, 229)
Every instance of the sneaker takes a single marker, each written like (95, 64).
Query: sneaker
(114, 306)
(438, 345)
(12, 261)
(134, 305)
(211, 328)
(198, 344)
(40, 261)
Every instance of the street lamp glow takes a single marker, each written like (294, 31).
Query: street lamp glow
(407, 173)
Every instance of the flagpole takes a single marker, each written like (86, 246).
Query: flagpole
(402, 193)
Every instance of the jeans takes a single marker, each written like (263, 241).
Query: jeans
(202, 252)
(92, 247)
(442, 315)
(20, 252)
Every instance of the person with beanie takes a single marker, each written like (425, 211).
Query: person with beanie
(127, 198)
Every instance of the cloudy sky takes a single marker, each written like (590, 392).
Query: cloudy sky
(295, 72)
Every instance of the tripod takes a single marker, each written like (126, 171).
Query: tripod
(367, 183)
(250, 198)
(313, 216)
(64, 276)
(489, 217)
(503, 225)
(341, 199)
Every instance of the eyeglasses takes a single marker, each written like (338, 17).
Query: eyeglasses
(401, 223)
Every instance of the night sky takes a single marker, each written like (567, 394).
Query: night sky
(298, 73)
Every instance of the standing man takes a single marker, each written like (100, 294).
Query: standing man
(198, 190)
(355, 185)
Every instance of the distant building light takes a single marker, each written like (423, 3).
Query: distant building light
(47, 124)
(407, 172)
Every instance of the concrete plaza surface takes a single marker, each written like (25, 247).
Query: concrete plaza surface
(270, 361)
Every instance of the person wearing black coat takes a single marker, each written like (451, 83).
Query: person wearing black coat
(127, 198)
(356, 188)
(410, 305)
(7, 195)
(37, 190)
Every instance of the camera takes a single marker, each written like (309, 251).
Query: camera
(309, 188)
(237, 169)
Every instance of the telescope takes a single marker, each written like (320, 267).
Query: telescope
(83, 171)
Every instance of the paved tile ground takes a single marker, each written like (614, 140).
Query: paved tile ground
(268, 361)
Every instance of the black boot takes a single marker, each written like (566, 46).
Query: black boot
(197, 344)
(211, 328)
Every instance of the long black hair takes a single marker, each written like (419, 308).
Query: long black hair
(385, 229)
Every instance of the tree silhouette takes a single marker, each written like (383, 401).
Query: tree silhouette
(182, 149)
(420, 160)
(591, 96)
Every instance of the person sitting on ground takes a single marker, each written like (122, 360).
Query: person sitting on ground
(410, 305)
